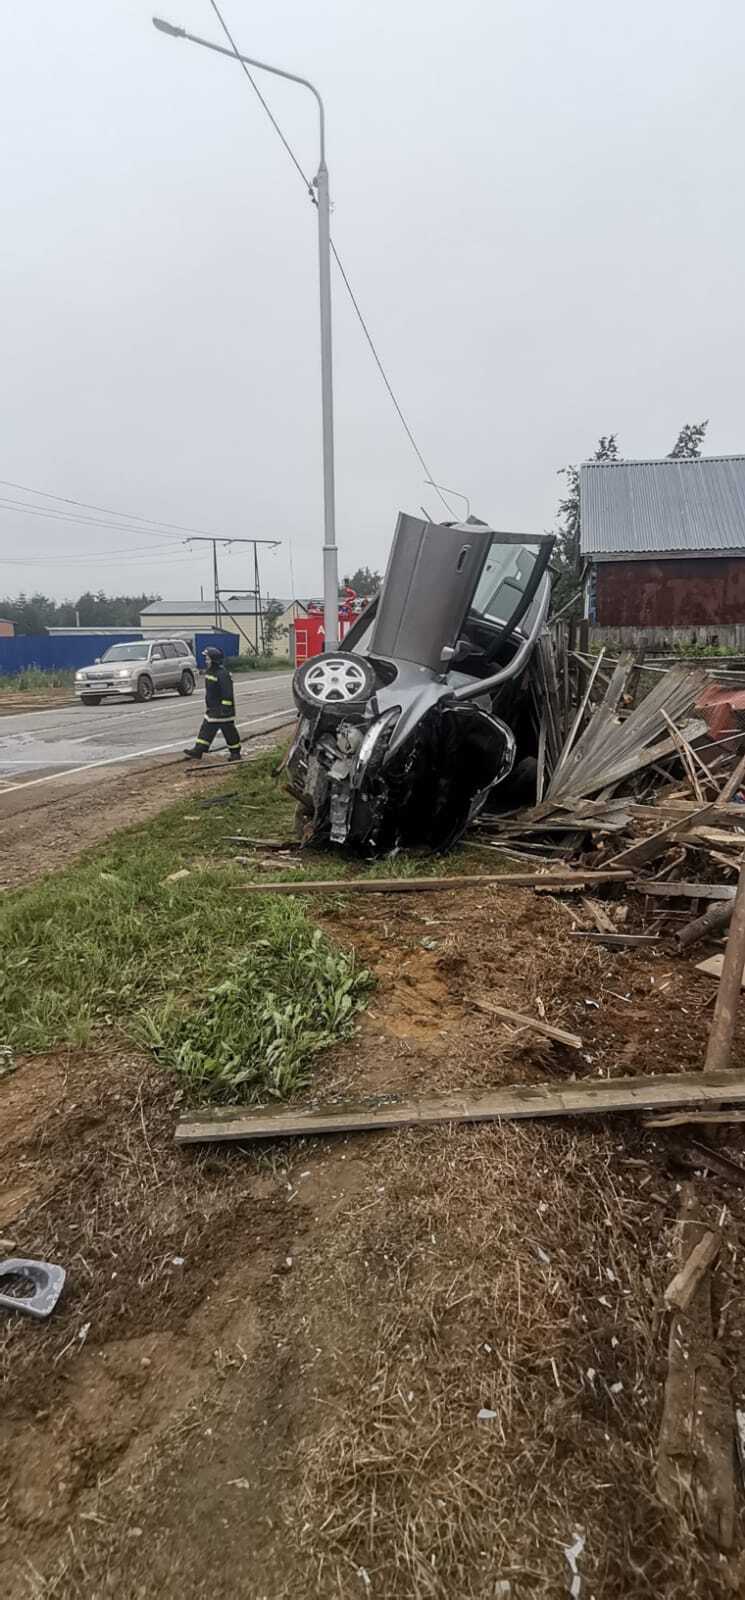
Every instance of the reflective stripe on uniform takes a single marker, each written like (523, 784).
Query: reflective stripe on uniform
(210, 677)
(235, 746)
(226, 702)
(201, 741)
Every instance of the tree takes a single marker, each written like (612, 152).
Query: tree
(688, 444)
(566, 553)
(364, 582)
(273, 610)
(33, 613)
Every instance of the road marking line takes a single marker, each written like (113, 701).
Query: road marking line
(136, 755)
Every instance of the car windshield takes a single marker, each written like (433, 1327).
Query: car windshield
(504, 579)
(126, 652)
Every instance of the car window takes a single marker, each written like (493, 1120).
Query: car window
(156, 653)
(126, 652)
(170, 651)
(504, 579)
(180, 648)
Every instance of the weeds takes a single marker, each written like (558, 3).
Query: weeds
(287, 997)
(36, 678)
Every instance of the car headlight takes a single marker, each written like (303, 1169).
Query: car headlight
(79, 676)
(124, 672)
(371, 746)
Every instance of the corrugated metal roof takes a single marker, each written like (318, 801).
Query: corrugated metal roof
(638, 507)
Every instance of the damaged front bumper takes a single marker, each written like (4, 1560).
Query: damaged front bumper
(398, 775)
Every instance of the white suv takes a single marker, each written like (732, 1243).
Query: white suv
(139, 669)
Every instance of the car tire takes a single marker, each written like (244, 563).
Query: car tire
(145, 689)
(90, 699)
(187, 684)
(334, 683)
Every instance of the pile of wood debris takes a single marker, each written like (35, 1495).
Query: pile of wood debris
(629, 781)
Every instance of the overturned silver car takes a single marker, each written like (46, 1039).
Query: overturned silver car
(399, 742)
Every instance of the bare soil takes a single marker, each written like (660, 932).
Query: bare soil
(51, 830)
(13, 700)
(265, 1375)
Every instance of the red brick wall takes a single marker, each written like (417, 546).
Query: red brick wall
(671, 594)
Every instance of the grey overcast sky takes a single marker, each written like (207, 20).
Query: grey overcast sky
(540, 207)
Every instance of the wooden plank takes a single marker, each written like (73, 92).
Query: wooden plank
(714, 967)
(599, 916)
(588, 1097)
(733, 783)
(577, 723)
(678, 1119)
(508, 880)
(684, 891)
(724, 1019)
(695, 1461)
(683, 1286)
(686, 756)
(636, 855)
(621, 941)
(571, 1040)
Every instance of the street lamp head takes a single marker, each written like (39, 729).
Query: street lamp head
(168, 27)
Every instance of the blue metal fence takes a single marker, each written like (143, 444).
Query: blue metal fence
(65, 652)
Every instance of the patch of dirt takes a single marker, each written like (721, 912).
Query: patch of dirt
(47, 834)
(12, 701)
(265, 1374)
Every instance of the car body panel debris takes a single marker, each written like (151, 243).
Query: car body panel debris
(47, 1283)
(588, 1097)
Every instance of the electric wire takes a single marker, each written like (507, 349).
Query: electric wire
(344, 276)
(126, 516)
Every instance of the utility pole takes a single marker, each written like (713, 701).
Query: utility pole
(323, 206)
(219, 607)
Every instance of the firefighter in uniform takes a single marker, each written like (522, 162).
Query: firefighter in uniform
(220, 709)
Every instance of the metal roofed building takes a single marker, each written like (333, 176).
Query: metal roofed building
(663, 543)
(238, 613)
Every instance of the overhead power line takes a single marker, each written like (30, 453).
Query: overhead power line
(125, 516)
(344, 275)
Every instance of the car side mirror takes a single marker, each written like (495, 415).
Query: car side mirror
(97, 661)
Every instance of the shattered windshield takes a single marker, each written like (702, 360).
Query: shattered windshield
(504, 579)
(125, 652)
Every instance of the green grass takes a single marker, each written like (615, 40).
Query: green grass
(36, 678)
(236, 992)
(259, 663)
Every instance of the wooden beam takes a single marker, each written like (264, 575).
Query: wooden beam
(635, 855)
(589, 1097)
(508, 880)
(571, 1040)
(683, 1286)
(733, 783)
(621, 941)
(685, 891)
(709, 925)
(725, 1011)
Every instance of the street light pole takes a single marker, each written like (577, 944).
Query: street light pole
(442, 488)
(321, 185)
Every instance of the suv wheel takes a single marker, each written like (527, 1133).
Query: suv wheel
(334, 683)
(90, 699)
(144, 690)
(186, 685)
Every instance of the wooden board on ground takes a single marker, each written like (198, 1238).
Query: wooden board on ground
(685, 891)
(508, 880)
(713, 968)
(589, 1097)
(571, 1040)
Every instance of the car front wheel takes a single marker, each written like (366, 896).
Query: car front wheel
(90, 699)
(186, 685)
(144, 690)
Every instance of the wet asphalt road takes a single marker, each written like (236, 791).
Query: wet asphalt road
(38, 744)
